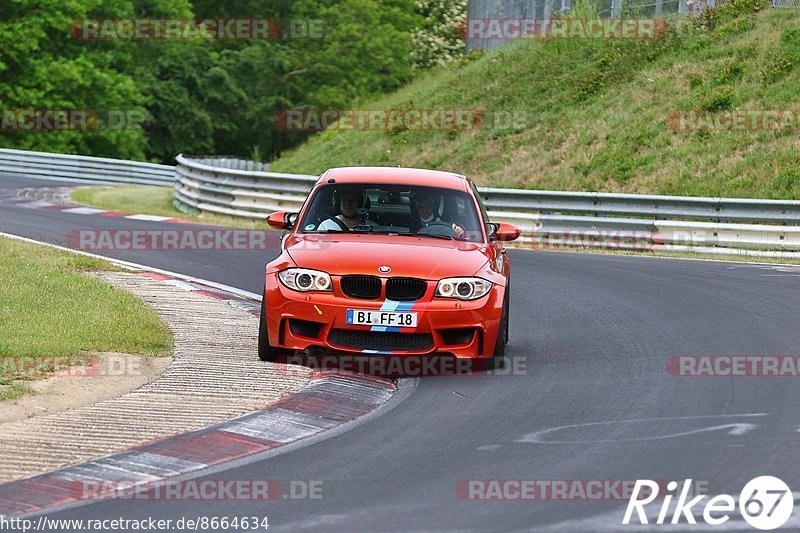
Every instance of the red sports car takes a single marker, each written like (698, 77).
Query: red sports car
(388, 261)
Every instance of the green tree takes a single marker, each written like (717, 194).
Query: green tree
(43, 67)
(197, 96)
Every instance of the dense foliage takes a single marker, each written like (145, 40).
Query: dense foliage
(194, 96)
(441, 38)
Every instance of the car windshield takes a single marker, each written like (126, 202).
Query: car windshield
(391, 209)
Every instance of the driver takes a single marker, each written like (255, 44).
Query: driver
(425, 203)
(349, 202)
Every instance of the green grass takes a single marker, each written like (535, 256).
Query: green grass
(11, 390)
(594, 115)
(50, 308)
(141, 199)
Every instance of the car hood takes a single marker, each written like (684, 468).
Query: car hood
(417, 257)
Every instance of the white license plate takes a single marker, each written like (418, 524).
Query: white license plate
(364, 317)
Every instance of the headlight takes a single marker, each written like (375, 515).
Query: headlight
(463, 288)
(304, 279)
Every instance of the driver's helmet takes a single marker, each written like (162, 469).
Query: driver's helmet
(426, 195)
(362, 200)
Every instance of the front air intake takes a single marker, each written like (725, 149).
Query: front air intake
(381, 340)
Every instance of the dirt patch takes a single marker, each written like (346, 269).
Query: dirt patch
(111, 375)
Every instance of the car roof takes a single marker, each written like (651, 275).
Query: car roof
(396, 176)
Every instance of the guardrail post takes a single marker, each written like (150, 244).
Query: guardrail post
(616, 9)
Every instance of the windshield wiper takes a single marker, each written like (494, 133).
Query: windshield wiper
(431, 235)
(435, 236)
(368, 229)
(391, 232)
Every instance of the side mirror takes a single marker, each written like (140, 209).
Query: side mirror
(282, 220)
(503, 232)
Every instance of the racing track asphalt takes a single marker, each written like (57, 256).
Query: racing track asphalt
(594, 333)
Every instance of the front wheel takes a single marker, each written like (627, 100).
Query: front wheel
(265, 351)
(502, 331)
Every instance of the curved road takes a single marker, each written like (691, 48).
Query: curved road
(591, 336)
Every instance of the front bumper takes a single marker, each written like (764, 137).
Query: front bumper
(318, 321)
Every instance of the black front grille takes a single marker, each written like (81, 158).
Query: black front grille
(380, 340)
(405, 289)
(364, 287)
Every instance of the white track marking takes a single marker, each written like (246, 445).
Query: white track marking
(180, 284)
(37, 204)
(152, 218)
(537, 437)
(84, 210)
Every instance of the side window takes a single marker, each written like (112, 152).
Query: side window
(484, 214)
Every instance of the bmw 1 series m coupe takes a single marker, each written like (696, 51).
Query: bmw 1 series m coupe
(388, 261)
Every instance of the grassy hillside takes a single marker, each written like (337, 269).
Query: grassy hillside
(597, 113)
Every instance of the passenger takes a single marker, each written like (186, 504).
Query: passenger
(425, 206)
(349, 203)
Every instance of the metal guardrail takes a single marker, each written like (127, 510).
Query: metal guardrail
(794, 4)
(240, 188)
(229, 161)
(546, 218)
(650, 206)
(100, 169)
(241, 193)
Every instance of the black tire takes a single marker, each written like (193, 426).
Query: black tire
(265, 351)
(502, 332)
(508, 310)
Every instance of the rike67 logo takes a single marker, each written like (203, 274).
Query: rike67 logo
(765, 503)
